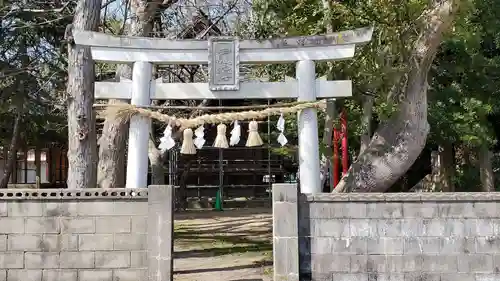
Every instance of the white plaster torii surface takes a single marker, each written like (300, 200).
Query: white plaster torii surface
(223, 55)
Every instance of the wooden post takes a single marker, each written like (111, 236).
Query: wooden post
(25, 164)
(38, 166)
(14, 169)
(50, 165)
(64, 165)
(220, 193)
(5, 161)
(308, 130)
(138, 142)
(48, 159)
(61, 165)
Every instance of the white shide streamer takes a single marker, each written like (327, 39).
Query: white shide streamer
(166, 142)
(199, 141)
(281, 127)
(235, 133)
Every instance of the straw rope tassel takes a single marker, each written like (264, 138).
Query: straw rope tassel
(253, 135)
(221, 139)
(187, 143)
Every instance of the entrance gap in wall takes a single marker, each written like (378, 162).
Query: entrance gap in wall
(233, 245)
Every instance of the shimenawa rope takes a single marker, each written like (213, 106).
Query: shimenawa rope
(126, 111)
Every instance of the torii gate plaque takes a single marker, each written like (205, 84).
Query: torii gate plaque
(223, 56)
(223, 64)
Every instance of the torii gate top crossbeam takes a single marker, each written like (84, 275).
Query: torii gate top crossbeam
(125, 49)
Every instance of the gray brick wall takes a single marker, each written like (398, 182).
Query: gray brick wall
(386, 237)
(93, 235)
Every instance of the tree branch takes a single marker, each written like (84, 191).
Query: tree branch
(44, 11)
(105, 5)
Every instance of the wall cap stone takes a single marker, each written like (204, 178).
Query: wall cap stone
(404, 197)
(74, 194)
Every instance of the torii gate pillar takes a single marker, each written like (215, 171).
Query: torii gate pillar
(308, 130)
(138, 140)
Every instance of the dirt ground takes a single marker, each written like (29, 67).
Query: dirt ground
(233, 245)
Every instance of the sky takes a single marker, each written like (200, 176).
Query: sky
(185, 7)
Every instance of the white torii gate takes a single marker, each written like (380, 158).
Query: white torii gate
(223, 55)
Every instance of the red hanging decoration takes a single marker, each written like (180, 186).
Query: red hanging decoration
(335, 172)
(337, 136)
(345, 151)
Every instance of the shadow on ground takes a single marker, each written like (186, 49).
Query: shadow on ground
(221, 238)
(230, 268)
(227, 213)
(221, 245)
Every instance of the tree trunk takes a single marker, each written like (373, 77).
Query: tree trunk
(486, 170)
(326, 159)
(182, 197)
(468, 158)
(436, 173)
(112, 144)
(397, 144)
(326, 164)
(429, 182)
(366, 120)
(416, 177)
(38, 167)
(11, 158)
(156, 162)
(446, 167)
(82, 146)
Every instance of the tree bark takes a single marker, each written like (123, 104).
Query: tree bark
(182, 203)
(11, 158)
(326, 159)
(112, 144)
(397, 144)
(156, 162)
(428, 183)
(436, 173)
(326, 164)
(486, 170)
(38, 167)
(366, 120)
(446, 167)
(82, 146)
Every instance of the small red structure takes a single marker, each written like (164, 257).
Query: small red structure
(337, 135)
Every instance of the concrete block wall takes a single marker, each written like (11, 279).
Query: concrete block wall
(386, 237)
(89, 235)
